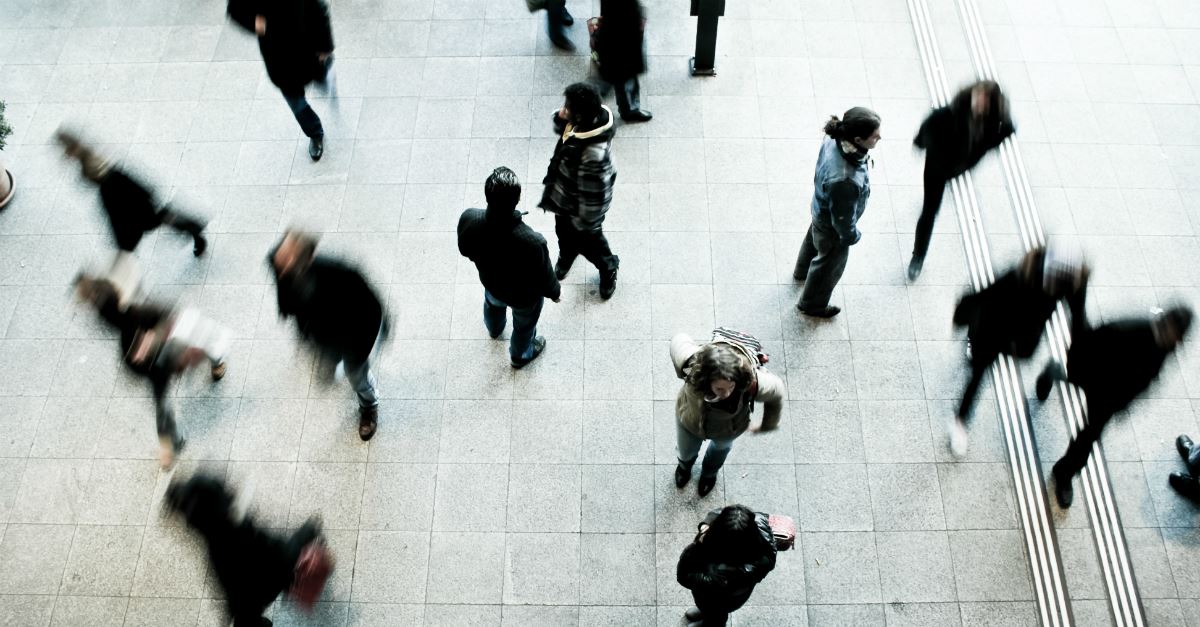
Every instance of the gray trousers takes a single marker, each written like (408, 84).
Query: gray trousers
(820, 265)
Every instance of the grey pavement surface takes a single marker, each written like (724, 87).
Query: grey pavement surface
(544, 496)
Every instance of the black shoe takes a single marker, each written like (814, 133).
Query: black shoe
(562, 43)
(562, 267)
(567, 18)
(316, 148)
(693, 614)
(539, 345)
(200, 246)
(914, 268)
(800, 278)
(705, 485)
(1185, 485)
(827, 311)
(682, 476)
(1063, 490)
(368, 422)
(1044, 384)
(1184, 445)
(608, 281)
(637, 115)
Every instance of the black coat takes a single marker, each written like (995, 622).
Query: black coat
(130, 207)
(725, 586)
(1009, 316)
(512, 258)
(297, 31)
(334, 307)
(130, 322)
(1114, 363)
(946, 135)
(620, 41)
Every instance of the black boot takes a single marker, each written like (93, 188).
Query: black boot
(316, 147)
(562, 267)
(1184, 445)
(637, 115)
(1064, 492)
(1185, 485)
(914, 267)
(200, 246)
(608, 280)
(705, 485)
(683, 474)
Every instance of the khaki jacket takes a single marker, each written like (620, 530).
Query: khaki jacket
(704, 422)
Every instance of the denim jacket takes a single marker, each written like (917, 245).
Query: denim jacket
(841, 188)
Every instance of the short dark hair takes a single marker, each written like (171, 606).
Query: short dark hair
(502, 188)
(584, 102)
(855, 122)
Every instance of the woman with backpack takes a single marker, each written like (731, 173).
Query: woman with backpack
(721, 382)
(724, 563)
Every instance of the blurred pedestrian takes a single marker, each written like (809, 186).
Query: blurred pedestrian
(724, 563)
(158, 344)
(513, 263)
(131, 208)
(296, 41)
(335, 309)
(621, 50)
(579, 184)
(955, 137)
(557, 21)
(1112, 364)
(721, 382)
(841, 187)
(1009, 316)
(1186, 483)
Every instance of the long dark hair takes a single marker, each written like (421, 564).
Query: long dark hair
(717, 361)
(856, 122)
(734, 535)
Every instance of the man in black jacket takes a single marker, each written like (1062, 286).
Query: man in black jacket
(1111, 364)
(296, 42)
(336, 309)
(513, 263)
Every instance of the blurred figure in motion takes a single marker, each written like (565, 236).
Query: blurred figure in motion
(724, 563)
(158, 344)
(841, 188)
(1112, 364)
(513, 263)
(335, 309)
(955, 137)
(622, 54)
(131, 208)
(296, 41)
(1187, 484)
(252, 564)
(1009, 316)
(557, 21)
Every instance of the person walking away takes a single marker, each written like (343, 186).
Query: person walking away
(557, 21)
(1009, 316)
(296, 41)
(724, 563)
(1112, 364)
(955, 137)
(721, 382)
(579, 184)
(841, 188)
(513, 263)
(1186, 483)
(336, 310)
(620, 47)
(131, 208)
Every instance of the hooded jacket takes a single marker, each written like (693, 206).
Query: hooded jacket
(841, 188)
(952, 146)
(512, 259)
(297, 30)
(723, 585)
(579, 180)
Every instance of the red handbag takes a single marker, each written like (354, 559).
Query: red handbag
(312, 571)
(784, 530)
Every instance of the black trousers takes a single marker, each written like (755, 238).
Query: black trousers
(1098, 415)
(935, 189)
(555, 20)
(820, 264)
(629, 96)
(592, 245)
(715, 612)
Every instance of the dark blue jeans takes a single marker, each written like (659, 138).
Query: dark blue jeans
(520, 347)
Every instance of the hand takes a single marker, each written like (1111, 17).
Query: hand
(260, 25)
(557, 300)
(562, 114)
(759, 429)
(323, 56)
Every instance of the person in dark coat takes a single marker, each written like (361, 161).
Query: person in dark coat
(579, 184)
(1186, 483)
(1112, 364)
(1009, 316)
(335, 309)
(724, 563)
(514, 265)
(131, 208)
(841, 188)
(621, 49)
(557, 21)
(253, 565)
(955, 137)
(152, 349)
(296, 42)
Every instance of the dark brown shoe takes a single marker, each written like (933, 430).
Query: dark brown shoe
(368, 421)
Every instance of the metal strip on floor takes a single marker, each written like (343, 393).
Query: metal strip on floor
(1041, 543)
(1125, 602)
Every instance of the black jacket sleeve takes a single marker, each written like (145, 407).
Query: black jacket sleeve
(242, 12)
(926, 135)
(317, 22)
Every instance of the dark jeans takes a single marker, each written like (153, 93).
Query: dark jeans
(629, 96)
(935, 189)
(555, 25)
(591, 244)
(1098, 415)
(820, 265)
(181, 222)
(520, 346)
(164, 416)
(362, 380)
(309, 122)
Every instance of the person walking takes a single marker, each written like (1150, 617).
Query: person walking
(1112, 364)
(721, 382)
(513, 263)
(1186, 483)
(1009, 316)
(841, 188)
(955, 137)
(579, 184)
(336, 310)
(131, 208)
(723, 564)
(557, 21)
(621, 49)
(296, 41)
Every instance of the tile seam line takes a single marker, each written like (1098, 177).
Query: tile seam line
(1111, 544)
(1041, 545)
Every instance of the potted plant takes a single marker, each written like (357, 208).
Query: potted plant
(7, 185)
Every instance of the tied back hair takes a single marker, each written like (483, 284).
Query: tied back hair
(717, 361)
(855, 122)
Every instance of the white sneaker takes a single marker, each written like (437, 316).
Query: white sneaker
(958, 437)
